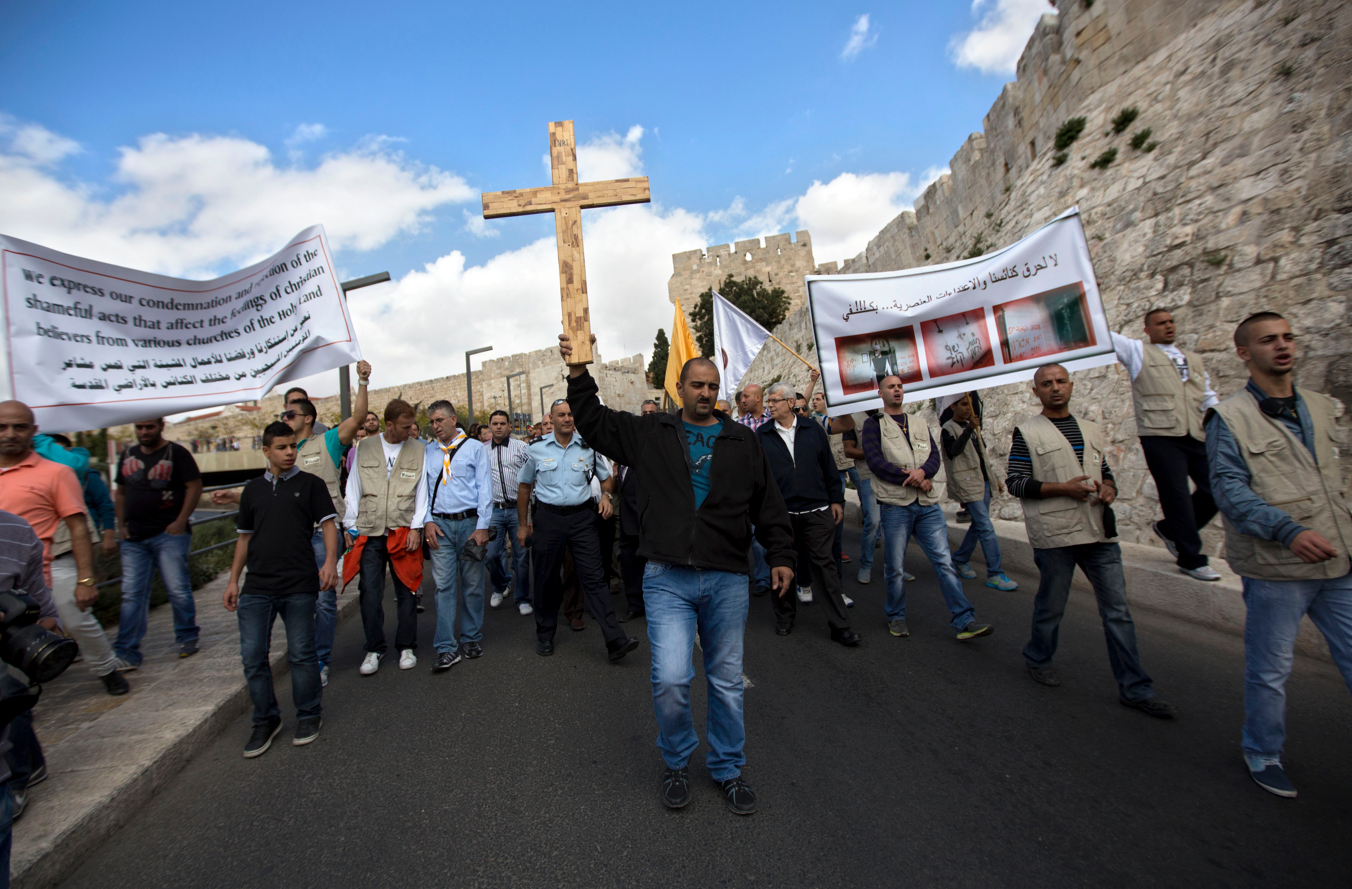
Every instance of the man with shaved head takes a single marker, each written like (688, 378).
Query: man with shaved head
(1058, 471)
(703, 482)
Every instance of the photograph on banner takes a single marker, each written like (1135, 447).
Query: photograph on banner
(972, 324)
(89, 345)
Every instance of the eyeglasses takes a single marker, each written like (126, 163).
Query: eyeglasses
(288, 415)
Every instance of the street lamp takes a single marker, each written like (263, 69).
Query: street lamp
(469, 382)
(344, 380)
(510, 410)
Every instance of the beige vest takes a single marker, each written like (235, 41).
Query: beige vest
(838, 452)
(1062, 521)
(966, 483)
(313, 457)
(1285, 475)
(1165, 405)
(908, 451)
(387, 501)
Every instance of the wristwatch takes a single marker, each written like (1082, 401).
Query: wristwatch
(86, 581)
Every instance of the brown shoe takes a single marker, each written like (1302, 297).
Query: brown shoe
(577, 624)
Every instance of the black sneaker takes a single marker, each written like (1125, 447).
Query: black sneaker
(306, 731)
(783, 629)
(114, 684)
(1152, 707)
(188, 649)
(472, 650)
(261, 739)
(675, 788)
(738, 796)
(36, 777)
(847, 637)
(621, 648)
(973, 630)
(544, 649)
(445, 660)
(1045, 676)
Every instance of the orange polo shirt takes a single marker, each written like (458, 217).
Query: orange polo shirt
(42, 493)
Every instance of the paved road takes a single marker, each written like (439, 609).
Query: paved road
(920, 761)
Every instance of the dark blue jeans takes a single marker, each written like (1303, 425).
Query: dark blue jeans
(257, 612)
(505, 521)
(1102, 564)
(140, 558)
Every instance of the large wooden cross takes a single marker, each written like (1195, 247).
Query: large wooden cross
(566, 199)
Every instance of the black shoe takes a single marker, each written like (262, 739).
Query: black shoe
(846, 637)
(472, 650)
(418, 601)
(307, 730)
(1151, 706)
(1045, 676)
(544, 649)
(261, 739)
(782, 629)
(675, 788)
(445, 660)
(188, 649)
(738, 796)
(621, 648)
(759, 591)
(631, 614)
(114, 684)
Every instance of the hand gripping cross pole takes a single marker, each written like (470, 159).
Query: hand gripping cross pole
(566, 199)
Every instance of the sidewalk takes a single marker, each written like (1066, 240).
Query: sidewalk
(107, 756)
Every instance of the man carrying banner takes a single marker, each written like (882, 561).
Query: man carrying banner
(1170, 391)
(902, 457)
(1058, 472)
(1288, 534)
(967, 470)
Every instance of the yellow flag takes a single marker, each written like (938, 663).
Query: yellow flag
(682, 350)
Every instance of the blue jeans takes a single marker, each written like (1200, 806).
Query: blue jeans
(1274, 609)
(506, 523)
(679, 601)
(868, 505)
(930, 528)
(1102, 565)
(455, 576)
(257, 612)
(981, 530)
(326, 606)
(760, 568)
(140, 558)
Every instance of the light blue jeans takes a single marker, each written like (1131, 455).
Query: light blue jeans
(505, 521)
(326, 606)
(930, 528)
(1274, 609)
(457, 579)
(680, 601)
(868, 505)
(981, 530)
(140, 559)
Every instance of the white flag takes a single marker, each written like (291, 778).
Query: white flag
(737, 340)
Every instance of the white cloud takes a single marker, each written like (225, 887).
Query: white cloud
(476, 225)
(608, 156)
(994, 45)
(860, 39)
(307, 132)
(736, 210)
(198, 205)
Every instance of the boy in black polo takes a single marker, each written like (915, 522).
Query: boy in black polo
(277, 517)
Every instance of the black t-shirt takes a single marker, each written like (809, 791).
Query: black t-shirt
(154, 487)
(282, 517)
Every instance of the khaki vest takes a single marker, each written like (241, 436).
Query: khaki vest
(1062, 521)
(387, 501)
(1165, 405)
(966, 483)
(908, 451)
(1285, 475)
(838, 452)
(313, 457)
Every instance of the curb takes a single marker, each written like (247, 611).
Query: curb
(105, 773)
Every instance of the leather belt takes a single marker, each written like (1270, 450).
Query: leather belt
(457, 516)
(565, 510)
(504, 504)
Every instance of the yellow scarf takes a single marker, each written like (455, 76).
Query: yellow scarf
(446, 450)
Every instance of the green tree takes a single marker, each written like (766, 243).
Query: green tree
(767, 306)
(657, 367)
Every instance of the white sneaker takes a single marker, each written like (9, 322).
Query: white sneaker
(1206, 572)
(370, 663)
(849, 603)
(407, 661)
(495, 600)
(805, 594)
(525, 609)
(324, 676)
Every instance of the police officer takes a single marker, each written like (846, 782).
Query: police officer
(560, 467)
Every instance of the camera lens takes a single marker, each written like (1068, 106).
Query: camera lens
(38, 652)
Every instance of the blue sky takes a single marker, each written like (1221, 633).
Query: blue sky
(190, 139)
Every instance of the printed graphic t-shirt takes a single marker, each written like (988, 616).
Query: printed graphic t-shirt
(154, 487)
(701, 441)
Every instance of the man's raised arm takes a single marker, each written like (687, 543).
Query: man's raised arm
(613, 433)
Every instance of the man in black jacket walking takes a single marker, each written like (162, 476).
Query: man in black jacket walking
(801, 461)
(703, 482)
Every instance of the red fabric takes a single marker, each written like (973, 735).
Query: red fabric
(408, 566)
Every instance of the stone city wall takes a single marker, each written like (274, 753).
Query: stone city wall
(781, 262)
(1244, 204)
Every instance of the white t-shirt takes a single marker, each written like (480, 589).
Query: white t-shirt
(391, 454)
(788, 435)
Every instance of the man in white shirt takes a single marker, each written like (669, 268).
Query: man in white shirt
(1171, 392)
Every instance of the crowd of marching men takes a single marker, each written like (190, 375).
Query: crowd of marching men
(703, 508)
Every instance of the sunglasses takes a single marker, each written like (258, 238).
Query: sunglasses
(288, 415)
(558, 402)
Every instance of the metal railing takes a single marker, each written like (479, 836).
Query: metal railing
(206, 549)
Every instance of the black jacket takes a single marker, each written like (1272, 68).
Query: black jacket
(742, 493)
(628, 496)
(809, 478)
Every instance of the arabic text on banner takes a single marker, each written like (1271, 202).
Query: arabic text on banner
(961, 326)
(89, 345)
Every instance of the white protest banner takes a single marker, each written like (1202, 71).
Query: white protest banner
(89, 345)
(737, 340)
(965, 325)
